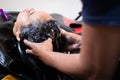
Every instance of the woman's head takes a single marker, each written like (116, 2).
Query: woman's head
(28, 16)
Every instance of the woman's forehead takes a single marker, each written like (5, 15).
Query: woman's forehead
(31, 16)
(43, 15)
(39, 15)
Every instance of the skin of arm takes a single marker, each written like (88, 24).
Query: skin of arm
(100, 45)
(97, 59)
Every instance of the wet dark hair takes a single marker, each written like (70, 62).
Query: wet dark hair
(41, 31)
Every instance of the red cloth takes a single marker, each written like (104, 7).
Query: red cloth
(68, 21)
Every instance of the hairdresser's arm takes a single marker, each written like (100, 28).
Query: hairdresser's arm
(98, 57)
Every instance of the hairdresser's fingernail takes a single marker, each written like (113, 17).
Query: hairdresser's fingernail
(18, 39)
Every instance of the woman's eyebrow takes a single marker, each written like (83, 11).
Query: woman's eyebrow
(31, 13)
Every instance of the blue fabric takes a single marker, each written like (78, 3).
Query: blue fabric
(101, 12)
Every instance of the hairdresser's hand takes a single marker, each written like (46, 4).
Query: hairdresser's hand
(73, 40)
(39, 49)
(21, 21)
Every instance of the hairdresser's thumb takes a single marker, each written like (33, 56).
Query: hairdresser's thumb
(18, 36)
